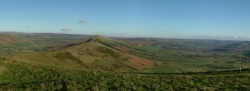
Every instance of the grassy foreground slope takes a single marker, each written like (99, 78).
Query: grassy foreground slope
(15, 75)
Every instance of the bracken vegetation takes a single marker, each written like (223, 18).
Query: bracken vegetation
(66, 55)
(25, 76)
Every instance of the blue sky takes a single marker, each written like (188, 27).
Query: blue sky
(128, 18)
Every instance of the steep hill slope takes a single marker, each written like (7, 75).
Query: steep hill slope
(183, 55)
(9, 38)
(89, 55)
(29, 42)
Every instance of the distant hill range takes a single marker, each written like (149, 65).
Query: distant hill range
(4, 38)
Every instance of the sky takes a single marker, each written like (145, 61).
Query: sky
(129, 18)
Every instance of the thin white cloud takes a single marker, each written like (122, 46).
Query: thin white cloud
(82, 21)
(235, 37)
(67, 29)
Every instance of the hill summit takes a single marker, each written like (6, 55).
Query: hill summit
(93, 39)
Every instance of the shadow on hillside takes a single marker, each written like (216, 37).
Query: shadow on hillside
(246, 53)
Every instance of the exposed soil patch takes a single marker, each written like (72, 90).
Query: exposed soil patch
(141, 63)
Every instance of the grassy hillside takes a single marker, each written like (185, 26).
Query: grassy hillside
(9, 38)
(75, 62)
(170, 55)
(15, 75)
(89, 55)
(22, 42)
(176, 55)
